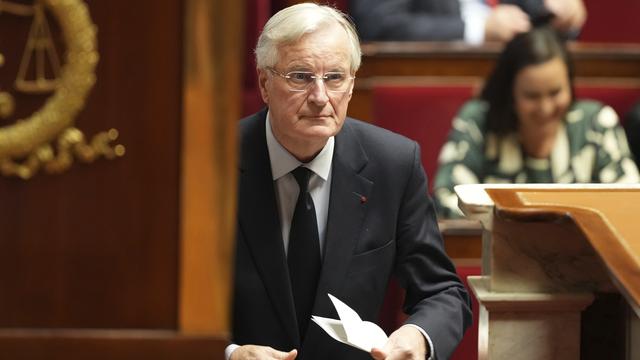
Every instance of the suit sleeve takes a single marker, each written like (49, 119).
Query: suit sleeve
(435, 298)
(393, 20)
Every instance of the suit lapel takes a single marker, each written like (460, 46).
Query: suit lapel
(347, 209)
(261, 226)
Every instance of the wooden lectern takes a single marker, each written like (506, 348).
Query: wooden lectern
(549, 251)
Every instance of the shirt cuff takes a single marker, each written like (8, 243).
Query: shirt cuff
(230, 349)
(426, 336)
(474, 15)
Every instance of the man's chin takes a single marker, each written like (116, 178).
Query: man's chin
(322, 133)
(317, 117)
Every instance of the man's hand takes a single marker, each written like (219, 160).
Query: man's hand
(406, 343)
(569, 14)
(255, 352)
(504, 22)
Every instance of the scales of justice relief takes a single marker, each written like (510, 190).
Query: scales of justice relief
(47, 139)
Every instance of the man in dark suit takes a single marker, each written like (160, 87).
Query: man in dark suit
(362, 189)
(473, 21)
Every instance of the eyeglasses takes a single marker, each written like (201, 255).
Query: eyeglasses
(300, 81)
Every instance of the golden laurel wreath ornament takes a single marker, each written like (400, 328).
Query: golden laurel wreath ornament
(26, 146)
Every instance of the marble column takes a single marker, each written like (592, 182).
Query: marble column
(528, 325)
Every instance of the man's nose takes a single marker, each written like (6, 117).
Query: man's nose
(318, 92)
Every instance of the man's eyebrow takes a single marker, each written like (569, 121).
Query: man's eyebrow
(301, 65)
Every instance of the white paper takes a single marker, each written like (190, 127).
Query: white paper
(350, 329)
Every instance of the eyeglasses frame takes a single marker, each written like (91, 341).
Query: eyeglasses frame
(315, 77)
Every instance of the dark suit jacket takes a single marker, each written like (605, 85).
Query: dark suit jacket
(411, 20)
(393, 232)
(419, 20)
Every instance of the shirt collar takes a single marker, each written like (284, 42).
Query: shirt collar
(282, 162)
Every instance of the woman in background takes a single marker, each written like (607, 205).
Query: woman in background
(526, 127)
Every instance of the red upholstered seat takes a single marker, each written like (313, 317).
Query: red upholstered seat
(620, 95)
(422, 113)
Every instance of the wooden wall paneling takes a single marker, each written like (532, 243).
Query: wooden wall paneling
(107, 345)
(462, 240)
(108, 260)
(459, 59)
(212, 93)
(96, 246)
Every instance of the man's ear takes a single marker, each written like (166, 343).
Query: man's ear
(263, 77)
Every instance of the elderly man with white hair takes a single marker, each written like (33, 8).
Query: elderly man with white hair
(331, 205)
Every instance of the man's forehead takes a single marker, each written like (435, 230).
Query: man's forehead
(330, 45)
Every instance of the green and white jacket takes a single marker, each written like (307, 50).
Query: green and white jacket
(591, 148)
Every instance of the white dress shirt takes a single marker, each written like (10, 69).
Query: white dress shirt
(286, 187)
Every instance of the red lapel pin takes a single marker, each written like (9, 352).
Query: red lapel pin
(363, 199)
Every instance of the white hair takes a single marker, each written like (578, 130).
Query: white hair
(290, 24)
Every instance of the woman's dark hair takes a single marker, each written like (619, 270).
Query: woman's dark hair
(531, 48)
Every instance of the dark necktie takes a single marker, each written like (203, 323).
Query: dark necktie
(304, 251)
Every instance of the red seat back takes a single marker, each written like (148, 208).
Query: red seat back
(621, 96)
(422, 113)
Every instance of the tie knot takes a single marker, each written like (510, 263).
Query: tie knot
(302, 175)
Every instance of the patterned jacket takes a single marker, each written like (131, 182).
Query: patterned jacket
(591, 148)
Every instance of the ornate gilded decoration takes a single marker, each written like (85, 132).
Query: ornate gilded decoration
(39, 48)
(26, 145)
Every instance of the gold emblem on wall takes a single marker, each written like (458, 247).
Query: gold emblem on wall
(47, 139)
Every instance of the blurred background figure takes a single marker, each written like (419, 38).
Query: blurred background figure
(474, 21)
(526, 127)
(632, 127)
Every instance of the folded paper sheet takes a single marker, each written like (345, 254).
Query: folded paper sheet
(350, 329)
